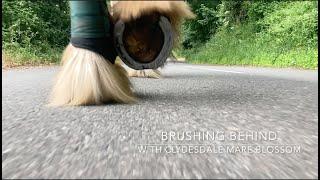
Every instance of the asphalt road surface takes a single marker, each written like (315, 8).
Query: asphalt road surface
(216, 110)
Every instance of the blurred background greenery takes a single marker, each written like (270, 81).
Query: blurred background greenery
(34, 32)
(258, 33)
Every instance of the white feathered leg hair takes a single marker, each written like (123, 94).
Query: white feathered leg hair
(86, 78)
(176, 11)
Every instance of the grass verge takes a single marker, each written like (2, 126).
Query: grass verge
(244, 47)
(15, 57)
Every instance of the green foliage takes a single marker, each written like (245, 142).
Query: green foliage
(200, 29)
(293, 22)
(232, 12)
(35, 29)
(264, 33)
(242, 47)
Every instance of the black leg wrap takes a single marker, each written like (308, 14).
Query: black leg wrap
(91, 27)
(102, 46)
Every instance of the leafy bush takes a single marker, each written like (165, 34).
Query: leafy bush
(200, 29)
(293, 22)
(264, 33)
(35, 29)
(240, 46)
